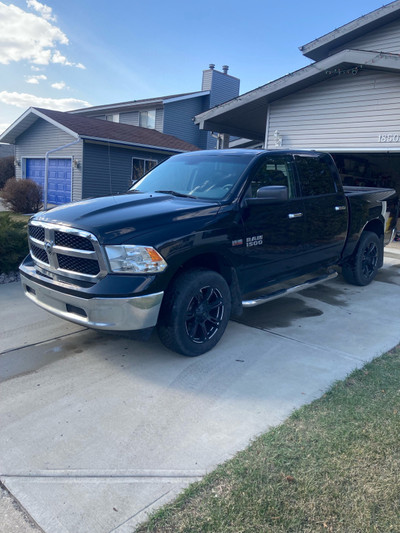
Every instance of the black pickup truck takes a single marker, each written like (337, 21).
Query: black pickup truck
(201, 236)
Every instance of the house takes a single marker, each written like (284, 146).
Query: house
(87, 157)
(101, 150)
(174, 114)
(346, 102)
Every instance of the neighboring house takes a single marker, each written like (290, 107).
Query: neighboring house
(100, 157)
(174, 114)
(347, 102)
(112, 145)
(6, 150)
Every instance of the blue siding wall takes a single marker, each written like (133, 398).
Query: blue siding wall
(223, 88)
(178, 119)
(108, 169)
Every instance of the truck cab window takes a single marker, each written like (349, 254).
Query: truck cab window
(274, 171)
(315, 175)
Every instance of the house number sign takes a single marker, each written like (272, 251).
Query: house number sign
(389, 137)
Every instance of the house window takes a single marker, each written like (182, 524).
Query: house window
(141, 166)
(147, 119)
(113, 118)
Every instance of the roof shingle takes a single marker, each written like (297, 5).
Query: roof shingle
(104, 130)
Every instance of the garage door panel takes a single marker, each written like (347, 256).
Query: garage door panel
(59, 178)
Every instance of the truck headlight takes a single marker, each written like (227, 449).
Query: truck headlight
(133, 259)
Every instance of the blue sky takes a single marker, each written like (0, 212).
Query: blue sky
(70, 54)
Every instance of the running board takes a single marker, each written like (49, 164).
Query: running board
(284, 292)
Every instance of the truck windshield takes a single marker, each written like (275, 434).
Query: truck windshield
(198, 175)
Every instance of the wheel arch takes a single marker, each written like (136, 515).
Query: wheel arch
(218, 263)
(376, 226)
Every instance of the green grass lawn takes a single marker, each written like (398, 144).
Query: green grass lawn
(333, 466)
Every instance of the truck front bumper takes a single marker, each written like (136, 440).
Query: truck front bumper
(118, 314)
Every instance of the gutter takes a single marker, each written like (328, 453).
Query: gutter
(134, 145)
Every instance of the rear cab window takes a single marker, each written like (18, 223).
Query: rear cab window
(317, 175)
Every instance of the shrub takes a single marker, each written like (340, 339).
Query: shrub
(13, 243)
(22, 196)
(6, 169)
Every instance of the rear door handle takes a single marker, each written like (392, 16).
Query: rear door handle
(295, 215)
(340, 208)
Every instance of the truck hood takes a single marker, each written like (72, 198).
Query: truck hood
(116, 219)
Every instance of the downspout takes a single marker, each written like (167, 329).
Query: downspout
(267, 128)
(46, 168)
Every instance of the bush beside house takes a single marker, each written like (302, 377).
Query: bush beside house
(13, 243)
(22, 196)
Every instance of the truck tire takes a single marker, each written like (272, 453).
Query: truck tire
(195, 312)
(363, 265)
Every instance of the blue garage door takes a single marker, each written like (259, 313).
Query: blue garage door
(59, 183)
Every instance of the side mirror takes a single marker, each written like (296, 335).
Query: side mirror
(270, 194)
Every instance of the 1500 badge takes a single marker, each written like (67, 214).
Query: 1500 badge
(254, 241)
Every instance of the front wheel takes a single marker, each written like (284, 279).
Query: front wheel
(195, 312)
(362, 267)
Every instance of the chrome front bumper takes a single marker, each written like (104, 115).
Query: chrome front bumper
(119, 314)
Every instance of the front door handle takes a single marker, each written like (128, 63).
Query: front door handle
(340, 208)
(295, 215)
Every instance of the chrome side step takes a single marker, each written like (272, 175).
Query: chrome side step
(284, 292)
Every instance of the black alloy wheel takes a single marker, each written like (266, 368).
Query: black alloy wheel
(369, 260)
(363, 265)
(204, 314)
(195, 312)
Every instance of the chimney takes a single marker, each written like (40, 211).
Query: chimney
(211, 66)
(225, 69)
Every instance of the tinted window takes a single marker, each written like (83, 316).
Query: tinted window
(316, 175)
(274, 171)
(202, 175)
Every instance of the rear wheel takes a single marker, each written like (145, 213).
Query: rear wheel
(195, 312)
(362, 267)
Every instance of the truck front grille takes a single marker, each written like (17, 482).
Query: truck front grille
(65, 251)
(72, 241)
(78, 264)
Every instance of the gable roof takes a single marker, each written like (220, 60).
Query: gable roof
(147, 102)
(321, 47)
(95, 129)
(246, 115)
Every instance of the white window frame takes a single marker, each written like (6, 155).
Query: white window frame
(144, 119)
(145, 160)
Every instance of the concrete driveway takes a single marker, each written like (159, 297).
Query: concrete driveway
(97, 430)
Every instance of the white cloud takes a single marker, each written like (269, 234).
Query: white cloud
(45, 11)
(25, 100)
(59, 85)
(28, 37)
(34, 80)
(59, 58)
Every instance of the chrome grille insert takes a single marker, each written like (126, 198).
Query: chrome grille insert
(66, 251)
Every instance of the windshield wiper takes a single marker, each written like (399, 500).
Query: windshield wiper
(179, 194)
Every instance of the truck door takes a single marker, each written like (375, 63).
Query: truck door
(325, 205)
(273, 231)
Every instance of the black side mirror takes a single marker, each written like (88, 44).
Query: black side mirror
(270, 194)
